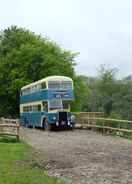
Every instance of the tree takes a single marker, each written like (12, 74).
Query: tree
(107, 87)
(24, 58)
(101, 90)
(81, 93)
(123, 98)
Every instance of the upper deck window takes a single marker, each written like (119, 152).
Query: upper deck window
(26, 91)
(43, 85)
(60, 85)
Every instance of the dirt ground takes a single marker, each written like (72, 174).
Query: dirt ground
(82, 156)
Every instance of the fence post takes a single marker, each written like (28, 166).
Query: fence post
(103, 127)
(88, 119)
(18, 135)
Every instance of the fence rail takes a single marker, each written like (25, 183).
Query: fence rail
(9, 127)
(106, 125)
(89, 114)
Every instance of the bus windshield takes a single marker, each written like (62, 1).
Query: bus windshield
(58, 104)
(55, 104)
(60, 85)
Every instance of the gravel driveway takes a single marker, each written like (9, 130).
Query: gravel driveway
(82, 156)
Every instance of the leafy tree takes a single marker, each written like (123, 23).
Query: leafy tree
(81, 94)
(24, 58)
(123, 98)
(107, 87)
(107, 94)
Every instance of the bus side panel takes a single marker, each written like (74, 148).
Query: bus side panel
(36, 96)
(24, 119)
(47, 94)
(35, 119)
(32, 118)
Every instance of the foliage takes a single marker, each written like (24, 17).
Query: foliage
(115, 115)
(108, 94)
(106, 87)
(24, 58)
(81, 94)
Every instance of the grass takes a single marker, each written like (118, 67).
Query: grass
(128, 135)
(17, 164)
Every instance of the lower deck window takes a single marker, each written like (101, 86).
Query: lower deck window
(53, 104)
(45, 106)
(32, 108)
(37, 108)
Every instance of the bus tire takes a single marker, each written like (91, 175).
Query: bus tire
(45, 125)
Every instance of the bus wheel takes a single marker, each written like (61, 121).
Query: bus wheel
(45, 125)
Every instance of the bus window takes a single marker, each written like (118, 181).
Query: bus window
(39, 87)
(39, 107)
(66, 105)
(54, 85)
(55, 104)
(28, 90)
(36, 108)
(45, 106)
(66, 85)
(32, 89)
(21, 93)
(43, 85)
(60, 85)
(24, 109)
(30, 108)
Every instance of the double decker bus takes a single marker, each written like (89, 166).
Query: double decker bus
(46, 103)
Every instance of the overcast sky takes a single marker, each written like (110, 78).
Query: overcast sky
(101, 30)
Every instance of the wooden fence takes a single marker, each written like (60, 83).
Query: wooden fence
(88, 114)
(105, 124)
(9, 127)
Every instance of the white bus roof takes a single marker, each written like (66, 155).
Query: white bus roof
(50, 78)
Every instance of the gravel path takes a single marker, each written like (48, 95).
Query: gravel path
(83, 157)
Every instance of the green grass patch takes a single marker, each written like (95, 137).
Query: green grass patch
(128, 135)
(18, 164)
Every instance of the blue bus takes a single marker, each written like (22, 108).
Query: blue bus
(46, 103)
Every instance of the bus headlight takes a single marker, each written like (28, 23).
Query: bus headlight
(54, 118)
(73, 118)
(57, 123)
(69, 123)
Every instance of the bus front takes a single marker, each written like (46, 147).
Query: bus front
(60, 96)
